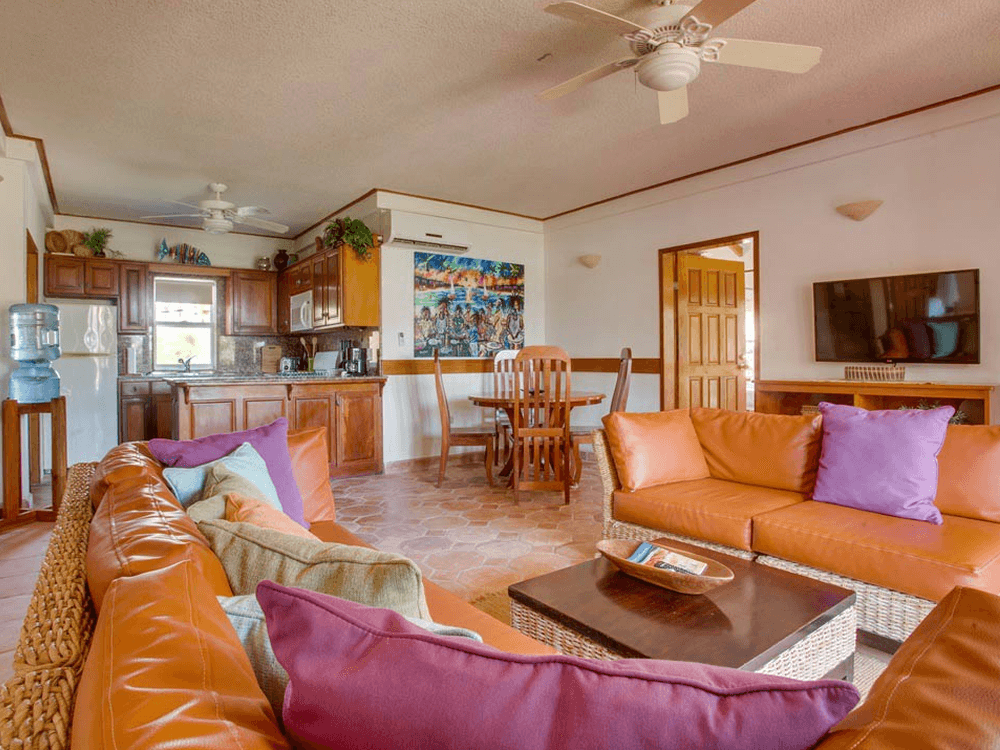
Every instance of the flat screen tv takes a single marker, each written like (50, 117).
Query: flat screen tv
(923, 317)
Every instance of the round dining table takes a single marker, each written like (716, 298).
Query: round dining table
(576, 398)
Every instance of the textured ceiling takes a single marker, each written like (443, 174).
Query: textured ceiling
(302, 106)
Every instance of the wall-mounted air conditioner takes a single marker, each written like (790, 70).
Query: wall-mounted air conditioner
(420, 232)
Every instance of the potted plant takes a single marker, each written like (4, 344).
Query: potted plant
(348, 231)
(97, 241)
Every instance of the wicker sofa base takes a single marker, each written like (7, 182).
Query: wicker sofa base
(811, 658)
(615, 529)
(884, 612)
(36, 704)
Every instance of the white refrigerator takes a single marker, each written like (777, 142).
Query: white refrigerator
(88, 378)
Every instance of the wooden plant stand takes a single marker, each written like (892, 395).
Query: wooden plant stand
(12, 512)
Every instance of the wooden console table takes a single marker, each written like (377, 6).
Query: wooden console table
(12, 513)
(789, 396)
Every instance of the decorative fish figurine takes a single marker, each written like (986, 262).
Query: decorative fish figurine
(163, 250)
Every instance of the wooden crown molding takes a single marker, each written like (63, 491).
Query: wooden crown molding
(8, 130)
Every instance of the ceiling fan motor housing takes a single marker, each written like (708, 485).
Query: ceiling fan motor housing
(669, 68)
(217, 225)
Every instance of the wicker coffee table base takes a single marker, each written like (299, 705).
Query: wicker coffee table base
(811, 658)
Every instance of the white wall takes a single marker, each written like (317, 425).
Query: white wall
(410, 418)
(937, 172)
(138, 241)
(24, 206)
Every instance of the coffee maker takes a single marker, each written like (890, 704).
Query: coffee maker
(357, 361)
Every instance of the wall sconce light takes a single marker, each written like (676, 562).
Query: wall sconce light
(590, 261)
(859, 211)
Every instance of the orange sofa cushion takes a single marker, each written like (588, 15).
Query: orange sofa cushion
(940, 689)
(921, 559)
(243, 509)
(310, 453)
(769, 450)
(124, 461)
(140, 526)
(448, 609)
(969, 472)
(709, 509)
(654, 448)
(166, 669)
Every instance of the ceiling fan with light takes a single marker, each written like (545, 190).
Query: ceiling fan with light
(670, 45)
(219, 216)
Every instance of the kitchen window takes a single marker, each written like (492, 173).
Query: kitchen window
(184, 320)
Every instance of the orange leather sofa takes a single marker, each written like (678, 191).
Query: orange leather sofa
(165, 668)
(756, 504)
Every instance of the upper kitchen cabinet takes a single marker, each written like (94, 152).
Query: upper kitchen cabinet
(252, 303)
(345, 287)
(70, 276)
(284, 303)
(132, 298)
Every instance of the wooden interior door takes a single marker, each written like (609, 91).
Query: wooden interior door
(711, 341)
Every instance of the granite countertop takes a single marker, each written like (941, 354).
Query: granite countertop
(224, 378)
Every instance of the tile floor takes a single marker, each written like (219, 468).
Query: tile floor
(21, 551)
(467, 536)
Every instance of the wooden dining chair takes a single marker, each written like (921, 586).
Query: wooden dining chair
(540, 427)
(584, 434)
(503, 387)
(483, 435)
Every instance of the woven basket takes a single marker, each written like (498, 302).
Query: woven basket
(55, 242)
(73, 237)
(875, 373)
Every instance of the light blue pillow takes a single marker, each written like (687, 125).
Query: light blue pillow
(188, 484)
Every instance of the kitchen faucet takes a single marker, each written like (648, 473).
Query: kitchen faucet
(186, 362)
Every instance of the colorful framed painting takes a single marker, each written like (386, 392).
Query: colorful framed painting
(466, 307)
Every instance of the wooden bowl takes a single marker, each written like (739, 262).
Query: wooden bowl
(618, 550)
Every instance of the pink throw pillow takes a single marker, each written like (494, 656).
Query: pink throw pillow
(882, 461)
(270, 441)
(365, 677)
(243, 509)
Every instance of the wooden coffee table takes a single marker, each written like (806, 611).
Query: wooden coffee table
(765, 620)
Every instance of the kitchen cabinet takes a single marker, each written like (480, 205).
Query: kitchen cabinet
(284, 303)
(145, 410)
(133, 284)
(64, 276)
(100, 278)
(346, 289)
(252, 303)
(349, 409)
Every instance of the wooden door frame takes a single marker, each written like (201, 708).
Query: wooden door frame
(668, 319)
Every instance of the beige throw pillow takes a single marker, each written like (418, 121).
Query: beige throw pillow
(251, 554)
(219, 482)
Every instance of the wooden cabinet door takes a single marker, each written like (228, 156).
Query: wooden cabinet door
(711, 309)
(300, 277)
(284, 302)
(253, 302)
(64, 276)
(334, 299)
(359, 432)
(360, 285)
(133, 418)
(132, 298)
(101, 278)
(318, 272)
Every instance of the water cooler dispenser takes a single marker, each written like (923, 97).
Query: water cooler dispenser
(34, 344)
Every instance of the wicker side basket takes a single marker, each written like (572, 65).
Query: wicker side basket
(36, 705)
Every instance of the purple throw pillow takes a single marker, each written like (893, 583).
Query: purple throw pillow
(270, 441)
(882, 461)
(365, 677)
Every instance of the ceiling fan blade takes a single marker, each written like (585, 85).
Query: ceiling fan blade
(586, 14)
(789, 58)
(714, 12)
(189, 205)
(173, 216)
(567, 87)
(271, 226)
(673, 105)
(251, 211)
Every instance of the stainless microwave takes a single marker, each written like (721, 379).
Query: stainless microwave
(301, 313)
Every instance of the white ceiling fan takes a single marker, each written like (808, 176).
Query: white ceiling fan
(219, 216)
(669, 47)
